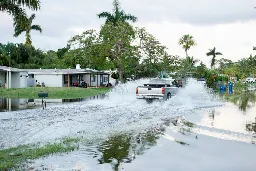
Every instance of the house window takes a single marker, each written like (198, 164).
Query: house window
(93, 78)
(65, 79)
(105, 79)
(31, 76)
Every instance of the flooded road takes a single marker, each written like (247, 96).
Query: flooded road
(195, 130)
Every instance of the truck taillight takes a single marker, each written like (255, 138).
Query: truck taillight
(163, 90)
(137, 91)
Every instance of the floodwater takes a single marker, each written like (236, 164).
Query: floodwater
(196, 130)
(14, 104)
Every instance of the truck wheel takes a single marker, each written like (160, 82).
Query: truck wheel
(169, 96)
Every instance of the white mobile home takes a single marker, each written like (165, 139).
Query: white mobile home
(67, 77)
(19, 78)
(13, 77)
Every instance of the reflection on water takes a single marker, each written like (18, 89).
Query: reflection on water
(244, 100)
(124, 148)
(227, 122)
(246, 121)
(115, 151)
(7, 104)
(13, 104)
(251, 127)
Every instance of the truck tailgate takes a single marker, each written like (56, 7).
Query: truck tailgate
(149, 90)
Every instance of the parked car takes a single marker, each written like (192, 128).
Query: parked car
(250, 80)
(202, 81)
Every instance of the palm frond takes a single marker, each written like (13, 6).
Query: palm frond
(11, 8)
(130, 17)
(19, 20)
(104, 15)
(18, 32)
(111, 19)
(218, 53)
(31, 4)
(209, 53)
(32, 17)
(36, 27)
(118, 14)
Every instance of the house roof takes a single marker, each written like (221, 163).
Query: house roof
(59, 71)
(65, 71)
(53, 71)
(5, 68)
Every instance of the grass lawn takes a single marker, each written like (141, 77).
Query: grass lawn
(11, 158)
(53, 92)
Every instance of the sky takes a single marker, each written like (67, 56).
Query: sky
(228, 25)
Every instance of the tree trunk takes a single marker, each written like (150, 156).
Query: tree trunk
(28, 39)
(186, 53)
(121, 75)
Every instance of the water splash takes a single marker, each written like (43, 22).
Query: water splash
(119, 112)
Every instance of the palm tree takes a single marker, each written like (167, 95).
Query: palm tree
(25, 26)
(187, 41)
(118, 15)
(15, 7)
(213, 53)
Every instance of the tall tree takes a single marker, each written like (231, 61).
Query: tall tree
(88, 50)
(200, 70)
(187, 41)
(117, 39)
(16, 7)
(213, 53)
(223, 63)
(118, 15)
(156, 58)
(171, 63)
(26, 26)
(61, 51)
(188, 65)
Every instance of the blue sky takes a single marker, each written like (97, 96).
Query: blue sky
(229, 25)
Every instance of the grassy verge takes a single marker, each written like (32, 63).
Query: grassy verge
(53, 92)
(11, 158)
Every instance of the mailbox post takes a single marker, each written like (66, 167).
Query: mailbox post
(43, 95)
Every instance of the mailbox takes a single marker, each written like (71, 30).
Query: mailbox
(42, 94)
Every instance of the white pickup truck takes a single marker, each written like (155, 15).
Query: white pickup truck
(157, 89)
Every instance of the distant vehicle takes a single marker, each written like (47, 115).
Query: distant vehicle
(202, 81)
(158, 89)
(250, 80)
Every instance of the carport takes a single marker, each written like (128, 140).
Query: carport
(5, 77)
